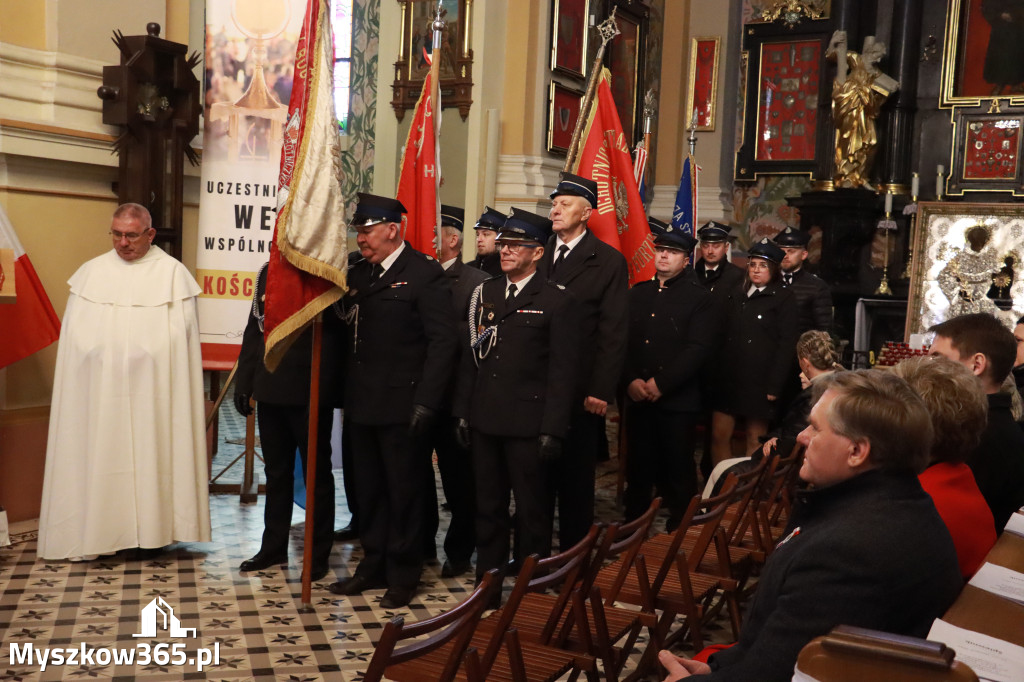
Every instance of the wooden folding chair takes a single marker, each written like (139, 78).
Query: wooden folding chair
(438, 657)
(773, 511)
(677, 586)
(588, 625)
(849, 654)
(539, 603)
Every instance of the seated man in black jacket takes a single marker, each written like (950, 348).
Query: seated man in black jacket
(988, 349)
(864, 546)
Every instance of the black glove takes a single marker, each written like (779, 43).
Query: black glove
(421, 420)
(462, 433)
(242, 403)
(550, 447)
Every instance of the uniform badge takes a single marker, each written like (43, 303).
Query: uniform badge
(490, 316)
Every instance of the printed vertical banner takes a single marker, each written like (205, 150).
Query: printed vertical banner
(250, 57)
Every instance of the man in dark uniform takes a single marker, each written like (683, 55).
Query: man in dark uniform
(453, 460)
(516, 393)
(714, 271)
(403, 344)
(723, 279)
(672, 331)
(596, 275)
(813, 296)
(487, 257)
(283, 416)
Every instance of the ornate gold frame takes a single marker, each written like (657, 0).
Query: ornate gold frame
(950, 56)
(555, 85)
(940, 226)
(692, 82)
(554, 41)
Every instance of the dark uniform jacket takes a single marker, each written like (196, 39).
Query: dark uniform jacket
(524, 386)
(723, 282)
(759, 351)
(870, 552)
(289, 384)
(403, 340)
(998, 463)
(462, 279)
(490, 264)
(597, 276)
(813, 299)
(672, 333)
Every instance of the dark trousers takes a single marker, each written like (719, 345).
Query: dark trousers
(283, 428)
(502, 465)
(573, 478)
(456, 466)
(348, 471)
(389, 465)
(661, 445)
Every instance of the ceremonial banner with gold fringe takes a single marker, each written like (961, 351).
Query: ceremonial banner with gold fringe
(308, 255)
(604, 157)
(417, 185)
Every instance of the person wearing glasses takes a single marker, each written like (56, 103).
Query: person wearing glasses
(759, 347)
(126, 453)
(402, 345)
(515, 394)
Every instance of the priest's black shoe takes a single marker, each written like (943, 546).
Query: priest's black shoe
(397, 597)
(357, 584)
(453, 568)
(346, 534)
(261, 561)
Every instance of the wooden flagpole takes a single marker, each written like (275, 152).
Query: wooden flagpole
(435, 107)
(608, 29)
(311, 449)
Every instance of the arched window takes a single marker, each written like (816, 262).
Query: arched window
(341, 23)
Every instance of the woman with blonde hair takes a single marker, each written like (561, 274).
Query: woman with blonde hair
(958, 408)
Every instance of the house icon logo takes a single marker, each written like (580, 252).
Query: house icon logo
(159, 614)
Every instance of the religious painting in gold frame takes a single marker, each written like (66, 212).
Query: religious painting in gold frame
(569, 37)
(702, 89)
(456, 66)
(967, 258)
(626, 65)
(563, 111)
(987, 148)
(980, 53)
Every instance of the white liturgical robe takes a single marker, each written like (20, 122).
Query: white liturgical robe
(126, 455)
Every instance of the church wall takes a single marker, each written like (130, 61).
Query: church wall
(24, 22)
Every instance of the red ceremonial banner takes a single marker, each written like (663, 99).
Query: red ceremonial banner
(417, 185)
(604, 156)
(307, 255)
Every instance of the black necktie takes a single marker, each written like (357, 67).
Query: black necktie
(562, 250)
(376, 271)
(787, 278)
(511, 293)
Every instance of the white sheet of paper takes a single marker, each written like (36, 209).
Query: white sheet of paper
(1000, 580)
(989, 658)
(1016, 524)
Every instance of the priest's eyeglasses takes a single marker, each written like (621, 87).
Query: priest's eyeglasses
(130, 236)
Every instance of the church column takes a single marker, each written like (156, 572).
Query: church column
(897, 143)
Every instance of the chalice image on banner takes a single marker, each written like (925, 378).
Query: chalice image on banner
(260, 21)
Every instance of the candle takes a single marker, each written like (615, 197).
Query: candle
(915, 185)
(939, 181)
(888, 203)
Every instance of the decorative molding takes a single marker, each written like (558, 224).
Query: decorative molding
(713, 203)
(525, 181)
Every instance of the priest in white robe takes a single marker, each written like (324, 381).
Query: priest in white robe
(126, 456)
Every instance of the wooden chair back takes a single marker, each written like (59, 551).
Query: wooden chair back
(849, 654)
(455, 627)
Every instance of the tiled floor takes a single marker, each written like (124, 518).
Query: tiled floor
(255, 619)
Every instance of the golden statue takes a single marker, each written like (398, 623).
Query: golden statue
(858, 93)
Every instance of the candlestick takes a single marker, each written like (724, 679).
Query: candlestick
(915, 185)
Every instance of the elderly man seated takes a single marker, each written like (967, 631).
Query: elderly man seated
(865, 545)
